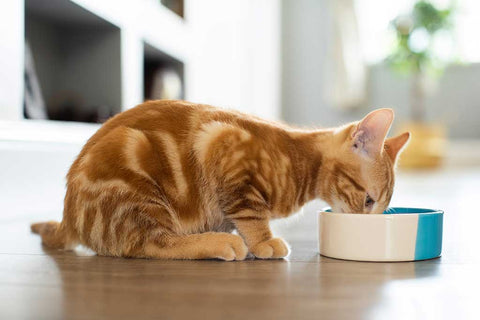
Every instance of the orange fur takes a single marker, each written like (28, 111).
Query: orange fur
(171, 179)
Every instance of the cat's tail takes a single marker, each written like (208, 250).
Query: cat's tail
(53, 234)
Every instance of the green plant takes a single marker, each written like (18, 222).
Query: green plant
(424, 22)
(413, 53)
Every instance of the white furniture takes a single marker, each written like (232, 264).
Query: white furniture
(229, 51)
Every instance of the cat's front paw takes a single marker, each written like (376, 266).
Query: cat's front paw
(275, 248)
(229, 247)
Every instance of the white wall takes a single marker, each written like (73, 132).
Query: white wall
(11, 59)
(304, 51)
(453, 99)
(235, 55)
(32, 179)
(307, 28)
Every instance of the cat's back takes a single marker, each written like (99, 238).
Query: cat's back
(173, 116)
(167, 115)
(181, 119)
(174, 122)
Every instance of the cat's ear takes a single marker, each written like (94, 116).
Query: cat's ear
(393, 146)
(369, 135)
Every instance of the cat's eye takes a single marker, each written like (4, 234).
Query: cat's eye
(369, 201)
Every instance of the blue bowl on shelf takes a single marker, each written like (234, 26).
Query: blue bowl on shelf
(399, 234)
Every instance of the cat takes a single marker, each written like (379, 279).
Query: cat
(171, 179)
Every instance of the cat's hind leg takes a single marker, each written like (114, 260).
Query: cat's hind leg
(208, 245)
(150, 231)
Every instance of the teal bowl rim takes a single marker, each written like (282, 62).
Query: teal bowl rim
(393, 211)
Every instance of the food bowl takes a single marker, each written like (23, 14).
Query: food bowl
(399, 234)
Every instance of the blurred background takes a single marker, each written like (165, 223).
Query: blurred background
(68, 65)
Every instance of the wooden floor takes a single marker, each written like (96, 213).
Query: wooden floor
(36, 283)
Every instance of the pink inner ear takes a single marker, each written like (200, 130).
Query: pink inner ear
(372, 130)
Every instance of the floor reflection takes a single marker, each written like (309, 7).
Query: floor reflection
(363, 284)
(116, 287)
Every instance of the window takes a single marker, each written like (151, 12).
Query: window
(377, 37)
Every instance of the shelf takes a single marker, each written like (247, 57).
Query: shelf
(77, 60)
(215, 49)
(47, 131)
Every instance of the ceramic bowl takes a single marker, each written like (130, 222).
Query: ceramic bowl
(399, 234)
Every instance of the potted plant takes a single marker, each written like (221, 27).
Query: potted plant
(414, 55)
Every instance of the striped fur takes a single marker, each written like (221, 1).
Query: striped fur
(172, 179)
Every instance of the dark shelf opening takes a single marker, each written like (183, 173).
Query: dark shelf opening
(77, 65)
(163, 75)
(176, 6)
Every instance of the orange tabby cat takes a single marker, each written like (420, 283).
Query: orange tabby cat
(172, 179)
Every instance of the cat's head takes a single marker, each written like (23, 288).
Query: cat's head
(361, 175)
